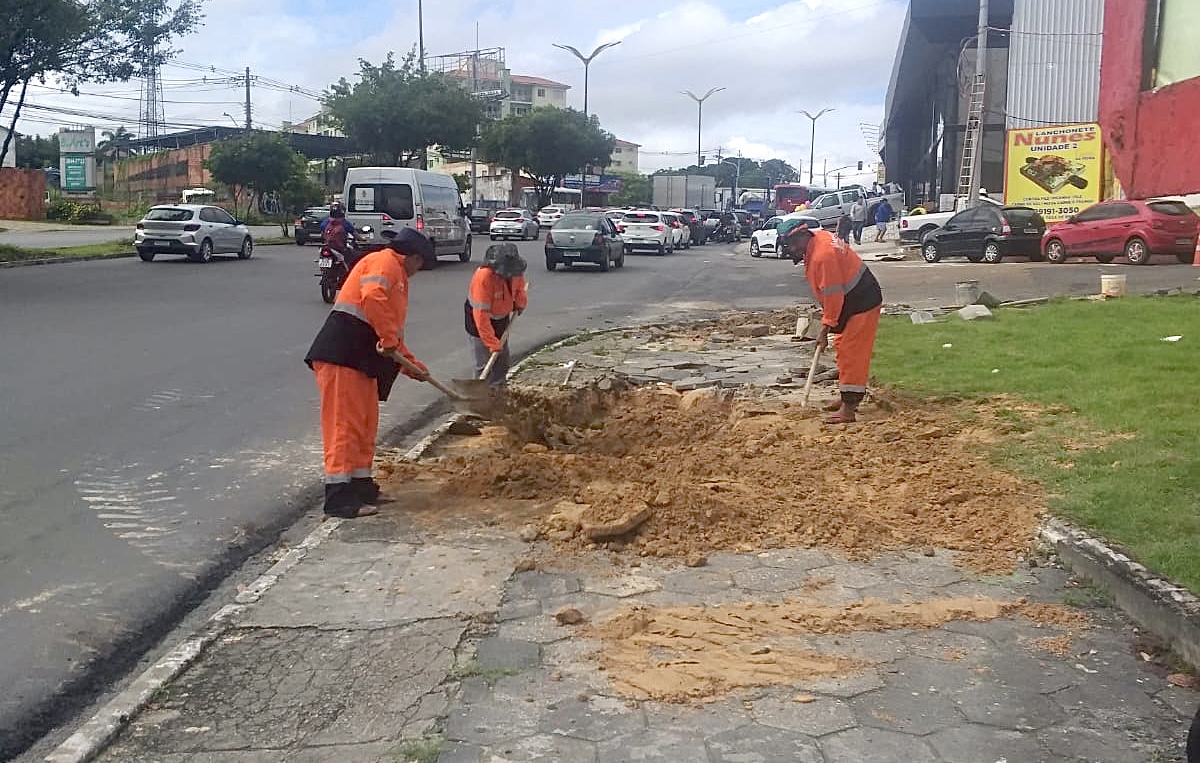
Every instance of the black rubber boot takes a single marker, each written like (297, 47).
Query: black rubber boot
(343, 500)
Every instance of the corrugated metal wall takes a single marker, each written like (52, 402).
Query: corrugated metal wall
(1054, 62)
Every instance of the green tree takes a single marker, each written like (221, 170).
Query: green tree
(297, 194)
(397, 112)
(635, 190)
(36, 152)
(463, 180)
(254, 164)
(76, 41)
(547, 144)
(115, 147)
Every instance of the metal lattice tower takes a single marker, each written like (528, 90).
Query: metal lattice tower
(152, 116)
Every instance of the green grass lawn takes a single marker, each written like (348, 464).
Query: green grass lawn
(16, 253)
(1094, 370)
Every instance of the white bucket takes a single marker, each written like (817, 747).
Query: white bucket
(1112, 284)
(967, 292)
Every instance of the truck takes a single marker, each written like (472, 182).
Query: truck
(828, 207)
(914, 227)
(683, 191)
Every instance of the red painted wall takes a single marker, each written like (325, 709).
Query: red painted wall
(22, 194)
(1151, 135)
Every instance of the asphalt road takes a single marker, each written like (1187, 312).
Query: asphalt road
(56, 238)
(155, 417)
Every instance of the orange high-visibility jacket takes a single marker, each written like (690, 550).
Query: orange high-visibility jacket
(840, 281)
(492, 299)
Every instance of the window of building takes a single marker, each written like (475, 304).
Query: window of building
(1172, 37)
(617, 150)
(617, 163)
(541, 92)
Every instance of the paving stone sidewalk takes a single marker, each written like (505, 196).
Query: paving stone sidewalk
(402, 639)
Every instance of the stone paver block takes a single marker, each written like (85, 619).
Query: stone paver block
(844, 686)
(760, 744)
(878, 648)
(461, 752)
(595, 718)
(927, 573)
(291, 689)
(1019, 709)
(518, 609)
(537, 584)
(708, 719)
(796, 558)
(850, 575)
(773, 579)
(949, 646)
(815, 718)
(872, 745)
(653, 745)
(540, 629)
(545, 748)
(985, 744)
(696, 582)
(622, 587)
(1014, 665)
(507, 654)
(900, 708)
(1094, 745)
(492, 723)
(385, 584)
(725, 561)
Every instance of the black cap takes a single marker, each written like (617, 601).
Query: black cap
(409, 241)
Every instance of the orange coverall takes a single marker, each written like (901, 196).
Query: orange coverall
(375, 293)
(493, 298)
(833, 270)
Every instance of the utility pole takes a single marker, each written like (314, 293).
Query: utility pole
(980, 76)
(474, 94)
(421, 34)
(247, 98)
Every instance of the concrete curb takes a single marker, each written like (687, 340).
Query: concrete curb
(1168, 611)
(63, 260)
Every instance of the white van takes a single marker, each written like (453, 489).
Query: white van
(390, 198)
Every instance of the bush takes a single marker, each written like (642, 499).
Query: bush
(71, 211)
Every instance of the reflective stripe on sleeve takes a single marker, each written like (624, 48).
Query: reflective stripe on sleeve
(351, 309)
(377, 279)
(846, 287)
(479, 305)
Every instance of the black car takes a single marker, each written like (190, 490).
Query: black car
(745, 222)
(987, 234)
(700, 231)
(308, 225)
(584, 237)
(481, 220)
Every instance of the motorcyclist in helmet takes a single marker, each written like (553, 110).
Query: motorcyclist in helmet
(337, 233)
(496, 295)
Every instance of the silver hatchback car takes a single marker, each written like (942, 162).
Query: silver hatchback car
(196, 230)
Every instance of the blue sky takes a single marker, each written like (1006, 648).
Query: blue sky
(774, 59)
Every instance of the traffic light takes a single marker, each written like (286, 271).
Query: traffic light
(860, 166)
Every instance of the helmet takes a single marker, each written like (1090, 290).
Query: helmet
(505, 260)
(409, 241)
(336, 210)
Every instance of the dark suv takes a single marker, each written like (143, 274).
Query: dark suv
(987, 234)
(308, 225)
(481, 219)
(700, 231)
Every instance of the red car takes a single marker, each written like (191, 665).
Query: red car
(1136, 229)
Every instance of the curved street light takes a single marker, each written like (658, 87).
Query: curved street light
(812, 146)
(699, 99)
(587, 62)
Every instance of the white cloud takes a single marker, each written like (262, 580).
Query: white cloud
(773, 59)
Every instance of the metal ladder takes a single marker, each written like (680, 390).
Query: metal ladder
(974, 117)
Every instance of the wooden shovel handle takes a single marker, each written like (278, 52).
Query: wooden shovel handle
(812, 371)
(411, 367)
(487, 369)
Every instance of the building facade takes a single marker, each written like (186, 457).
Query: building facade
(625, 156)
(528, 93)
(1150, 94)
(1043, 61)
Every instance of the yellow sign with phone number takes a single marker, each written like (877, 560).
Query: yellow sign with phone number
(1059, 171)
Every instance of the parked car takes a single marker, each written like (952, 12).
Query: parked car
(308, 225)
(914, 228)
(647, 230)
(514, 223)
(391, 198)
(196, 230)
(549, 215)
(987, 234)
(695, 224)
(765, 239)
(1137, 229)
(683, 234)
(584, 237)
(745, 222)
(480, 219)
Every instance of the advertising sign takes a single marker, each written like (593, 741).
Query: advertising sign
(599, 183)
(74, 176)
(1056, 170)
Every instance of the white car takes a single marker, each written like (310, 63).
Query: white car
(647, 230)
(513, 223)
(548, 216)
(196, 230)
(683, 234)
(765, 240)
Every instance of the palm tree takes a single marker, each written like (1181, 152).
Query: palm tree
(114, 147)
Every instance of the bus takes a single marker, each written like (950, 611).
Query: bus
(567, 197)
(790, 195)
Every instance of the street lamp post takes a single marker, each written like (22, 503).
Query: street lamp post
(587, 62)
(421, 34)
(700, 99)
(812, 148)
(737, 179)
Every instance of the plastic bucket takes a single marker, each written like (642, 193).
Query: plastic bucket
(967, 292)
(1112, 284)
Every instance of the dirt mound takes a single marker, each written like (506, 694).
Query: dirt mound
(718, 474)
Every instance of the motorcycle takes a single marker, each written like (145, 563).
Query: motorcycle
(726, 233)
(332, 267)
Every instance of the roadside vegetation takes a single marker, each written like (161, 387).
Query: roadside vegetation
(107, 249)
(1092, 401)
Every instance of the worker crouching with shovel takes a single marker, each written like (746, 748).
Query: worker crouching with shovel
(353, 374)
(851, 302)
(497, 295)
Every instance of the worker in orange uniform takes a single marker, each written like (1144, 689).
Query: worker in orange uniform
(353, 375)
(851, 302)
(496, 295)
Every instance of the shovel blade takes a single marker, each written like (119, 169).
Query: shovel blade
(475, 396)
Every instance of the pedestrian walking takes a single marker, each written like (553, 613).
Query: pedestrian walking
(883, 214)
(843, 227)
(497, 293)
(353, 375)
(851, 302)
(858, 219)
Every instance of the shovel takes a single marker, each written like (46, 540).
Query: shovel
(462, 400)
(479, 389)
